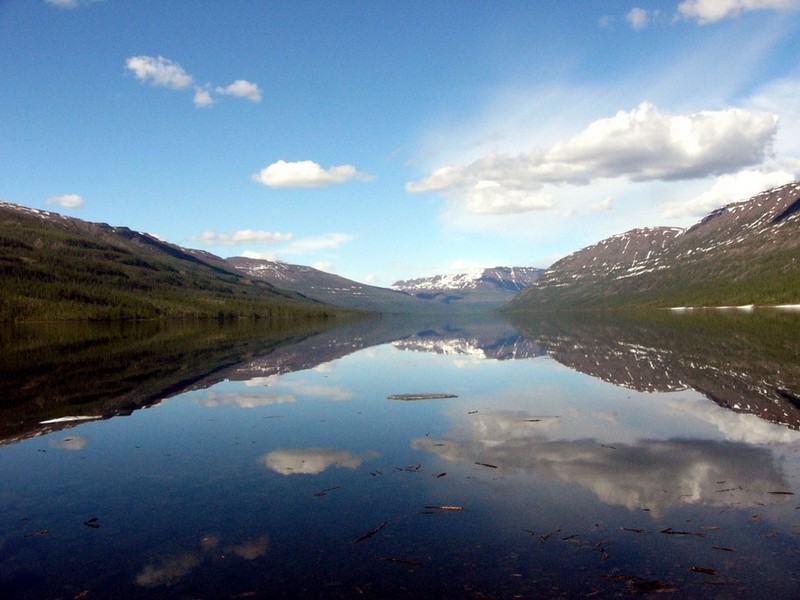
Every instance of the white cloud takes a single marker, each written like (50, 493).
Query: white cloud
(304, 174)
(163, 72)
(214, 399)
(637, 18)
(605, 204)
(67, 200)
(711, 11)
(643, 144)
(73, 442)
(313, 244)
(324, 266)
(245, 236)
(159, 71)
(260, 255)
(202, 98)
(169, 571)
(727, 189)
(69, 4)
(309, 461)
(242, 89)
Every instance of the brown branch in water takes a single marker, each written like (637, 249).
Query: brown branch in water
(369, 534)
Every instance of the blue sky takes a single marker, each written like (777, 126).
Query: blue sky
(388, 140)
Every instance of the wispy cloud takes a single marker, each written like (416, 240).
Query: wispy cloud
(244, 236)
(711, 11)
(305, 174)
(644, 144)
(163, 72)
(67, 200)
(637, 17)
(69, 4)
(327, 241)
(727, 189)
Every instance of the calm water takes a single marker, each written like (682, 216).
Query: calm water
(577, 459)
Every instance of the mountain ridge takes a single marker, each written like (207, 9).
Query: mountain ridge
(746, 252)
(491, 287)
(55, 267)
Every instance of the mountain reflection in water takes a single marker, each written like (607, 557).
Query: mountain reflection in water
(577, 457)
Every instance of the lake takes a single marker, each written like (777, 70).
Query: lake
(392, 458)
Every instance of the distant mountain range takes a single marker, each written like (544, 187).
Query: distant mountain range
(744, 253)
(492, 287)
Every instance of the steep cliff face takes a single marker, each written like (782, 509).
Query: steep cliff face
(744, 253)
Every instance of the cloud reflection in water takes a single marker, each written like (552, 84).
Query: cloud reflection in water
(309, 461)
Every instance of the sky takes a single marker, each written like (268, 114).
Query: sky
(384, 140)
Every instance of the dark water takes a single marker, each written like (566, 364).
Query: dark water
(579, 458)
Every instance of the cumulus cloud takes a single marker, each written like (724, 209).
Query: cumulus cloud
(242, 89)
(651, 474)
(711, 11)
(159, 71)
(163, 72)
(304, 174)
(244, 236)
(637, 18)
(643, 144)
(67, 200)
(202, 98)
(309, 461)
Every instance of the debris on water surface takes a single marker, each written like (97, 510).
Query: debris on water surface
(402, 561)
(326, 490)
(445, 507)
(37, 533)
(486, 465)
(370, 533)
(440, 475)
(93, 523)
(703, 570)
(671, 531)
(423, 396)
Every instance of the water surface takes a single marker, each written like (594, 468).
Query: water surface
(577, 458)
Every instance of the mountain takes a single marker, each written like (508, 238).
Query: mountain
(744, 253)
(56, 268)
(330, 288)
(489, 288)
(747, 363)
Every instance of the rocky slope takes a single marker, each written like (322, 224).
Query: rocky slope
(744, 253)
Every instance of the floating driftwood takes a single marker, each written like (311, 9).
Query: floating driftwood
(420, 396)
(370, 533)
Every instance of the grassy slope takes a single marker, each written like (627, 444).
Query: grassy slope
(53, 268)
